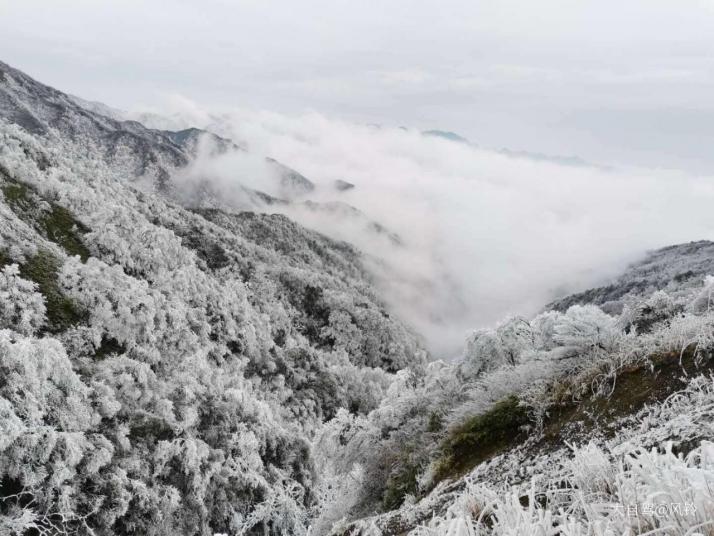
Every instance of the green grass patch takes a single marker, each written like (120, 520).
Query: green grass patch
(632, 387)
(62, 312)
(435, 423)
(16, 195)
(57, 224)
(399, 484)
(484, 436)
(63, 229)
(480, 437)
(501, 428)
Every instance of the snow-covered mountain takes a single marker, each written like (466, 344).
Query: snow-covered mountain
(145, 153)
(173, 363)
(164, 369)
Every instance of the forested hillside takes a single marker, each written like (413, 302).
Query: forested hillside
(171, 365)
(164, 369)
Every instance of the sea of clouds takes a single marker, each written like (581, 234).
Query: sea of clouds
(482, 235)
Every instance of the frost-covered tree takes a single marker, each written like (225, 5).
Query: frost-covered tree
(207, 354)
(22, 308)
(586, 329)
(487, 349)
(705, 299)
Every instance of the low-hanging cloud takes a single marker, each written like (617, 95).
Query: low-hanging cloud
(482, 234)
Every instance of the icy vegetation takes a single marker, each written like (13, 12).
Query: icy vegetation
(170, 365)
(164, 370)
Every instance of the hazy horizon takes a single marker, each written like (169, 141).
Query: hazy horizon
(610, 83)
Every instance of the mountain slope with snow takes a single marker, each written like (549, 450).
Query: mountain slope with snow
(171, 363)
(164, 370)
(144, 153)
(574, 421)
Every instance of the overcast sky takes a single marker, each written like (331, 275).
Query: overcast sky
(628, 81)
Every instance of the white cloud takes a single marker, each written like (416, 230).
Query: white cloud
(484, 235)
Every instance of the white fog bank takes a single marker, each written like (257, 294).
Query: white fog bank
(483, 235)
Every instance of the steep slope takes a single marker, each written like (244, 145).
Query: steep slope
(674, 269)
(40, 109)
(651, 475)
(142, 153)
(164, 370)
(548, 423)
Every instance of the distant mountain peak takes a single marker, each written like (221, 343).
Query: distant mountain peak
(447, 135)
(147, 153)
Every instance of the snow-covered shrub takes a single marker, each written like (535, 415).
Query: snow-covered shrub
(544, 329)
(22, 308)
(586, 329)
(705, 299)
(45, 455)
(643, 316)
(487, 349)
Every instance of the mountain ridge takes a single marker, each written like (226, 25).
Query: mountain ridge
(156, 154)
